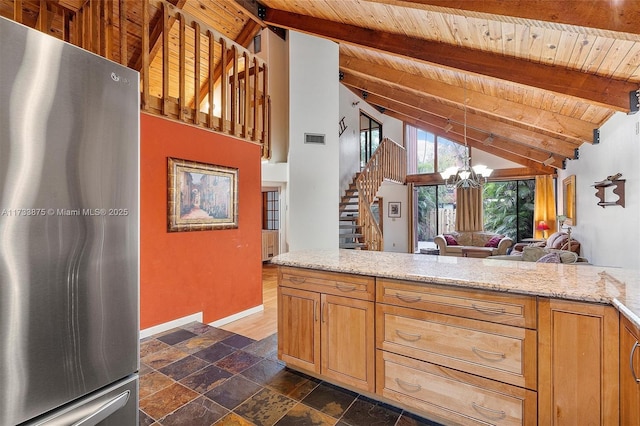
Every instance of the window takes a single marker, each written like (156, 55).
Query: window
(270, 210)
(508, 210)
(508, 207)
(428, 153)
(370, 138)
(436, 211)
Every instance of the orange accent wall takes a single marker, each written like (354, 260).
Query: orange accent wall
(216, 272)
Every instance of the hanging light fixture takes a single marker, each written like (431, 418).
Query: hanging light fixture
(466, 176)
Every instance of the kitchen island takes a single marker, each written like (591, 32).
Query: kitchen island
(463, 340)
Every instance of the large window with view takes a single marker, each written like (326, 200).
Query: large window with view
(507, 208)
(507, 205)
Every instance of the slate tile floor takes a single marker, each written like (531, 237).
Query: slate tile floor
(199, 375)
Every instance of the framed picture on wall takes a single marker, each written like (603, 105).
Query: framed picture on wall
(201, 196)
(394, 209)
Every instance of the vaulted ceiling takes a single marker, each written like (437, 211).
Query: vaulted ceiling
(536, 77)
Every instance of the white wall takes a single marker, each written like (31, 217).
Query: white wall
(395, 230)
(350, 139)
(491, 161)
(313, 169)
(609, 236)
(275, 53)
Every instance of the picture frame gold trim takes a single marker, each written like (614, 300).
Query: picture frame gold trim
(201, 196)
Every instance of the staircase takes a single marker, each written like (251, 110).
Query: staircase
(350, 229)
(359, 227)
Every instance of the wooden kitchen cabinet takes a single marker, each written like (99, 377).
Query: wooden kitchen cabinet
(299, 328)
(629, 371)
(326, 333)
(577, 363)
(347, 341)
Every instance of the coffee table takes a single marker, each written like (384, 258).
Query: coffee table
(477, 252)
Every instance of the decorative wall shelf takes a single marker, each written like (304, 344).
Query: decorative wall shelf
(618, 189)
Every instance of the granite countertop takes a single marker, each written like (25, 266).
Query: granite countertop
(587, 283)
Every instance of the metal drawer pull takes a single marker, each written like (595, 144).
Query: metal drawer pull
(633, 350)
(105, 410)
(489, 311)
(495, 414)
(479, 352)
(408, 299)
(345, 287)
(298, 280)
(413, 337)
(409, 387)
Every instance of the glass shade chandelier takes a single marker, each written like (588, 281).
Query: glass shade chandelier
(466, 176)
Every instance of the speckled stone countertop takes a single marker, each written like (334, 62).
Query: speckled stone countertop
(587, 283)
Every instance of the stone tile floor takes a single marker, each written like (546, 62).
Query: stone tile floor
(199, 375)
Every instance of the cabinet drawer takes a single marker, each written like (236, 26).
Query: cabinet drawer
(453, 396)
(501, 352)
(354, 286)
(510, 309)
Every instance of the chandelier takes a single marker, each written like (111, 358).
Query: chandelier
(466, 176)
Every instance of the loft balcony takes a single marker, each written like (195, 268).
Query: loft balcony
(188, 71)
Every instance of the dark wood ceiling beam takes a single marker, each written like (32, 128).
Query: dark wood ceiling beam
(248, 32)
(412, 116)
(507, 155)
(600, 90)
(483, 125)
(496, 176)
(510, 112)
(618, 16)
(250, 9)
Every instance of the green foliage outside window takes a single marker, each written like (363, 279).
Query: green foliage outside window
(508, 208)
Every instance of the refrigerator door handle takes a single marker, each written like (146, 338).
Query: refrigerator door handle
(105, 410)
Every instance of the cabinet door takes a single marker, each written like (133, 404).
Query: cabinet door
(629, 370)
(578, 363)
(299, 328)
(348, 350)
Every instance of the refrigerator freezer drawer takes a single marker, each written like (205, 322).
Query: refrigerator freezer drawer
(116, 405)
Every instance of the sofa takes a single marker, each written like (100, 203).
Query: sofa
(543, 255)
(453, 244)
(557, 240)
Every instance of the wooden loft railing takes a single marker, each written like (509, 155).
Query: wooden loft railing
(189, 71)
(388, 162)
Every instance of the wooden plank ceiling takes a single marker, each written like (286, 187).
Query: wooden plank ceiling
(536, 76)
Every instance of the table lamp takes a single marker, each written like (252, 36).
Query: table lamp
(542, 226)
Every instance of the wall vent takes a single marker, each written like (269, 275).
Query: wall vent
(314, 138)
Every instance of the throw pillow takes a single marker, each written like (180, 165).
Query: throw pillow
(532, 254)
(450, 240)
(567, 256)
(494, 241)
(559, 242)
(552, 238)
(550, 258)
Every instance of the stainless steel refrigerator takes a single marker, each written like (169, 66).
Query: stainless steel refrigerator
(69, 219)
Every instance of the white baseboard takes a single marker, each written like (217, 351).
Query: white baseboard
(171, 324)
(235, 317)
